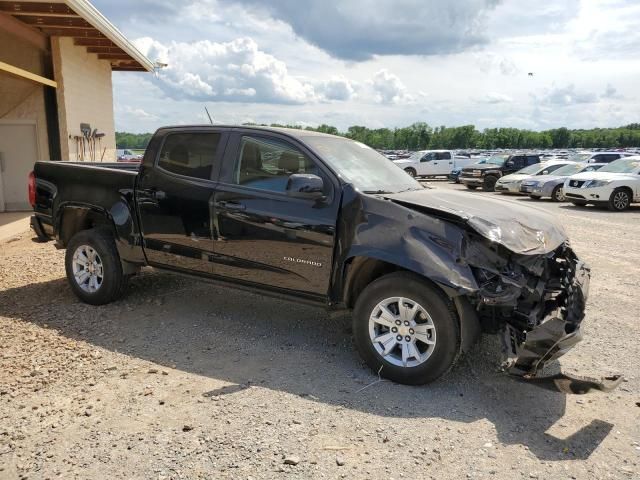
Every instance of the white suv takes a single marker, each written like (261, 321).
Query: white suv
(616, 185)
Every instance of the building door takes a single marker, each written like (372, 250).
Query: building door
(18, 153)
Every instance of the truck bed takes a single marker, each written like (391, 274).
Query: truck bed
(90, 184)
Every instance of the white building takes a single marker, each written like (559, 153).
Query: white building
(56, 97)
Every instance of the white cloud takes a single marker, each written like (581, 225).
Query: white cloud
(337, 88)
(389, 89)
(236, 71)
(495, 97)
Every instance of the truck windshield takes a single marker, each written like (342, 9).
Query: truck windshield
(497, 159)
(362, 166)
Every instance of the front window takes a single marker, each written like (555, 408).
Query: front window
(497, 159)
(416, 156)
(266, 164)
(624, 165)
(361, 166)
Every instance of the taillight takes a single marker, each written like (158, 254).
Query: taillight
(32, 189)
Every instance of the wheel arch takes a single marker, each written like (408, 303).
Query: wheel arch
(75, 217)
(363, 270)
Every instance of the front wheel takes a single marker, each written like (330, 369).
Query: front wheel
(93, 267)
(405, 329)
(489, 184)
(558, 194)
(619, 200)
(411, 172)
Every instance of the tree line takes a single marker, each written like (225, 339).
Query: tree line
(421, 136)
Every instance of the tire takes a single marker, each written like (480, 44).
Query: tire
(557, 195)
(441, 327)
(471, 187)
(579, 203)
(535, 197)
(411, 172)
(489, 184)
(620, 200)
(110, 282)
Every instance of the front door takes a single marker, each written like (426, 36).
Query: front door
(18, 153)
(174, 200)
(264, 236)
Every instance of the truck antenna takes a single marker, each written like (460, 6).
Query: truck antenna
(205, 109)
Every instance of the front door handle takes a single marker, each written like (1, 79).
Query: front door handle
(157, 194)
(232, 205)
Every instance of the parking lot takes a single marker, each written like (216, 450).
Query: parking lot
(182, 379)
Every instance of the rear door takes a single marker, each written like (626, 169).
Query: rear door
(263, 236)
(174, 198)
(443, 163)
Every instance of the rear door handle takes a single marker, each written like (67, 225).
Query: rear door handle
(232, 205)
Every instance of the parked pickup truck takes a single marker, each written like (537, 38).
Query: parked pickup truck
(487, 173)
(325, 220)
(433, 163)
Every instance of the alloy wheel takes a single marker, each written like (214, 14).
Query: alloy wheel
(402, 331)
(88, 270)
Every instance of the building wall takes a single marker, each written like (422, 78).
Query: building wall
(22, 99)
(85, 95)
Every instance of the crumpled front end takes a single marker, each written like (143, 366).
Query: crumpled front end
(537, 302)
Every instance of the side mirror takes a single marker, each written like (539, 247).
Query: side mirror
(545, 172)
(305, 185)
(510, 163)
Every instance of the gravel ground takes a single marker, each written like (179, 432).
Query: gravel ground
(182, 379)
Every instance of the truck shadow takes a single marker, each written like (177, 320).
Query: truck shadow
(249, 341)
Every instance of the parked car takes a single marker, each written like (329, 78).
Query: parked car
(486, 174)
(616, 185)
(511, 183)
(550, 184)
(324, 220)
(432, 163)
(597, 157)
(127, 156)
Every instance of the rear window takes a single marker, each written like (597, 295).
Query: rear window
(189, 154)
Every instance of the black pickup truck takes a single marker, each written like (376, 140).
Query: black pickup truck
(486, 173)
(329, 221)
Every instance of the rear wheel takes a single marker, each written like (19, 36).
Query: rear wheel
(489, 184)
(558, 194)
(411, 172)
(619, 200)
(93, 267)
(405, 329)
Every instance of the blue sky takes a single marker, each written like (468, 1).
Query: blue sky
(381, 63)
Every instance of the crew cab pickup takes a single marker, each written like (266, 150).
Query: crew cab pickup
(432, 163)
(487, 173)
(325, 220)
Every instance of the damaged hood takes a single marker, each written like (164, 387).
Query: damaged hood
(522, 229)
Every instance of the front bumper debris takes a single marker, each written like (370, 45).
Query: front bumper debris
(554, 336)
(573, 384)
